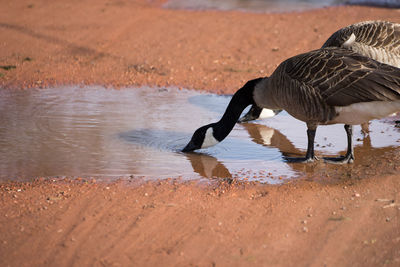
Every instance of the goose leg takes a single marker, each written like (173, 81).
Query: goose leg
(349, 157)
(310, 157)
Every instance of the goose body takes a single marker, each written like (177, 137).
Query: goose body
(379, 40)
(325, 86)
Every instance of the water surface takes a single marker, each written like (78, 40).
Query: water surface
(272, 5)
(138, 132)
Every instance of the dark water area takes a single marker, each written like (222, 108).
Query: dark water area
(138, 132)
(272, 6)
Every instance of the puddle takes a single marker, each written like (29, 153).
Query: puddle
(252, 5)
(137, 132)
(271, 5)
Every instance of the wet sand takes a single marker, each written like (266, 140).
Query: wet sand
(344, 220)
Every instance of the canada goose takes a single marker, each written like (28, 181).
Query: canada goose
(379, 40)
(324, 86)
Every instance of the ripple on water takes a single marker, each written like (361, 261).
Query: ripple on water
(93, 131)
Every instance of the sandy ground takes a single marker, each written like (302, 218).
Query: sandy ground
(343, 222)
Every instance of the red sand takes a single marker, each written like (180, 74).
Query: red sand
(348, 222)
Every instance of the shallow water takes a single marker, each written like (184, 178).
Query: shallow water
(138, 132)
(252, 5)
(271, 5)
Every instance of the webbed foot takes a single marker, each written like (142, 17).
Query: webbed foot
(301, 159)
(340, 160)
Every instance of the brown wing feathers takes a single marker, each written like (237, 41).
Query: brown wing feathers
(342, 77)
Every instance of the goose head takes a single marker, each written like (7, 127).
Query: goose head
(202, 138)
(213, 133)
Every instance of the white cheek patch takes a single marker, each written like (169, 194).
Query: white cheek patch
(266, 113)
(209, 139)
(349, 41)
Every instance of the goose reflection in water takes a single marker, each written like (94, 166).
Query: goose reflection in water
(366, 152)
(208, 166)
(266, 136)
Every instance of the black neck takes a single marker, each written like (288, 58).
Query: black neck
(240, 100)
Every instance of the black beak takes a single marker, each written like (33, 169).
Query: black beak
(189, 147)
(253, 114)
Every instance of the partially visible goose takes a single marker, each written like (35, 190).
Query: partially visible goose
(324, 86)
(379, 40)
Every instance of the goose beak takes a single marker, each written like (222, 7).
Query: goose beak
(189, 147)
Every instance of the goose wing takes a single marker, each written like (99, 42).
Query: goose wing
(340, 77)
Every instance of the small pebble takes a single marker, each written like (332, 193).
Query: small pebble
(387, 219)
(305, 229)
